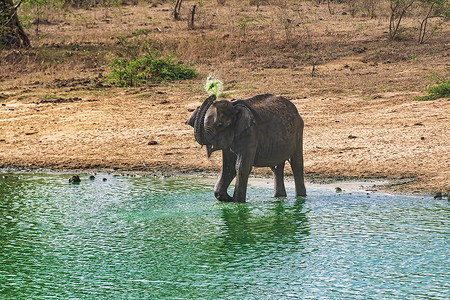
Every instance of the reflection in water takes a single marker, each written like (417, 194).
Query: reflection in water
(257, 248)
(247, 227)
(10, 206)
(153, 238)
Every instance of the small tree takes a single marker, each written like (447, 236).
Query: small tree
(329, 8)
(435, 9)
(176, 10)
(369, 6)
(12, 34)
(398, 11)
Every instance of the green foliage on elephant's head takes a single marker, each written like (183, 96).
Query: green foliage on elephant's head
(213, 86)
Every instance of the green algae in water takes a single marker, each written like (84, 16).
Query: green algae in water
(151, 238)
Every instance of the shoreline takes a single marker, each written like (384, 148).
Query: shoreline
(349, 139)
(346, 184)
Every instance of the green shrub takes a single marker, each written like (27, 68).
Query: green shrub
(149, 67)
(139, 32)
(441, 90)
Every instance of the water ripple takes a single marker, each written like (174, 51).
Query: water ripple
(152, 238)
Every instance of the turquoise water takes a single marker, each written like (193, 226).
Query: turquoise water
(151, 238)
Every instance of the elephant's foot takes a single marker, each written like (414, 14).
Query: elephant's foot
(279, 194)
(223, 197)
(238, 199)
(301, 193)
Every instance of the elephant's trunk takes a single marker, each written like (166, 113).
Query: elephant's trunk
(199, 130)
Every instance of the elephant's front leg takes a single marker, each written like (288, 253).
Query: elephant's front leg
(244, 165)
(226, 176)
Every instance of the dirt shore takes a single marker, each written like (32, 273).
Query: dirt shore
(354, 89)
(143, 130)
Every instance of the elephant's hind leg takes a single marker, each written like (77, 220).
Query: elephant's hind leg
(297, 168)
(278, 172)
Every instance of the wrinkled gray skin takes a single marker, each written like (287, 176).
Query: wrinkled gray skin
(262, 131)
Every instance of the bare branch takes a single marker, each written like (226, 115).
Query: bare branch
(17, 5)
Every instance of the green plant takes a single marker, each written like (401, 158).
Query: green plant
(362, 27)
(144, 96)
(149, 67)
(441, 90)
(49, 98)
(244, 21)
(144, 31)
(436, 77)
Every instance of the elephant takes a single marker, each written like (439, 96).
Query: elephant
(261, 131)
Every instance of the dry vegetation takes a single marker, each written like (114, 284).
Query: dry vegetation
(354, 87)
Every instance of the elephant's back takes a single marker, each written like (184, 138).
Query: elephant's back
(270, 107)
(280, 127)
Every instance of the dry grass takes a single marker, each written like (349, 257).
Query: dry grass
(296, 36)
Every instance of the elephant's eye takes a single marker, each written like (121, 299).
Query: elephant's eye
(218, 124)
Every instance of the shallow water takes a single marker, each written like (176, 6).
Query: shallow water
(151, 238)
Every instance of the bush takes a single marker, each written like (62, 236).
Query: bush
(441, 90)
(149, 67)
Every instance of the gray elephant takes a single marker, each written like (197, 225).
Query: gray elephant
(262, 131)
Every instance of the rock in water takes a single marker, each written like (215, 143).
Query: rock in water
(75, 179)
(438, 196)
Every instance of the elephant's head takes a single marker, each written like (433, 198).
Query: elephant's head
(213, 123)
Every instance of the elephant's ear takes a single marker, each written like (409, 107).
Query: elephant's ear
(245, 123)
(191, 119)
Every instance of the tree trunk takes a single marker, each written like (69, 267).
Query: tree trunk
(329, 8)
(176, 10)
(423, 25)
(12, 34)
(191, 19)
